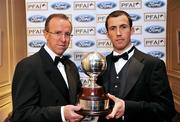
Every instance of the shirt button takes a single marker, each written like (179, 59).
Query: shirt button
(115, 86)
(117, 77)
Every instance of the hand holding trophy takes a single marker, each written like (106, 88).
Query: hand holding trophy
(92, 98)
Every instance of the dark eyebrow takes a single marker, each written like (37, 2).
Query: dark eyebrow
(120, 25)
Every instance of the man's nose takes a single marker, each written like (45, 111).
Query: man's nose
(118, 31)
(63, 37)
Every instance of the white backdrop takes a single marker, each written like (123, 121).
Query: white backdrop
(88, 18)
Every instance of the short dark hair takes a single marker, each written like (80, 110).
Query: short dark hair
(116, 14)
(61, 16)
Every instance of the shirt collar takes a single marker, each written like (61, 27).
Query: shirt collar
(50, 52)
(116, 53)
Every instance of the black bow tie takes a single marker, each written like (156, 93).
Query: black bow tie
(58, 59)
(125, 55)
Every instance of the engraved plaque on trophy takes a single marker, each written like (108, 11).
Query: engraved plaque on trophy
(92, 98)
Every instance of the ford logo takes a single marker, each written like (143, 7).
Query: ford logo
(102, 30)
(60, 5)
(135, 42)
(154, 29)
(80, 69)
(37, 18)
(154, 3)
(37, 43)
(156, 54)
(84, 18)
(135, 17)
(106, 5)
(84, 43)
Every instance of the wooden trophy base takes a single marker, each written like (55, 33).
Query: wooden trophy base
(94, 101)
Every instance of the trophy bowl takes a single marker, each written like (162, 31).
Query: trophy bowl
(92, 97)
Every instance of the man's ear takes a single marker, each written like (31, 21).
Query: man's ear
(45, 34)
(107, 34)
(132, 30)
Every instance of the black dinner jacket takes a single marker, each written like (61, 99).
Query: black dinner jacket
(37, 92)
(147, 94)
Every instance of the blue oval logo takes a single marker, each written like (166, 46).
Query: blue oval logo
(37, 18)
(60, 5)
(135, 17)
(158, 54)
(154, 3)
(154, 29)
(36, 43)
(106, 5)
(135, 42)
(80, 69)
(84, 18)
(85, 43)
(102, 30)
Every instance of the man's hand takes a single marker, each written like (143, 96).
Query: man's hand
(118, 109)
(70, 114)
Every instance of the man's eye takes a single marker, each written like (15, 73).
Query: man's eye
(112, 28)
(58, 33)
(67, 34)
(124, 26)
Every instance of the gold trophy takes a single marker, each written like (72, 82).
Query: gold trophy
(92, 98)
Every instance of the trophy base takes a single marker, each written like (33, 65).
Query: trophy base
(94, 113)
(94, 102)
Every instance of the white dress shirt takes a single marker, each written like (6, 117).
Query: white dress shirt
(60, 66)
(121, 62)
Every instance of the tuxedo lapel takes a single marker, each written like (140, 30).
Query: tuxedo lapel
(134, 71)
(58, 81)
(71, 82)
(53, 73)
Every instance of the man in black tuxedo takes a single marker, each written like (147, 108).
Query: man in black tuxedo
(45, 85)
(139, 80)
